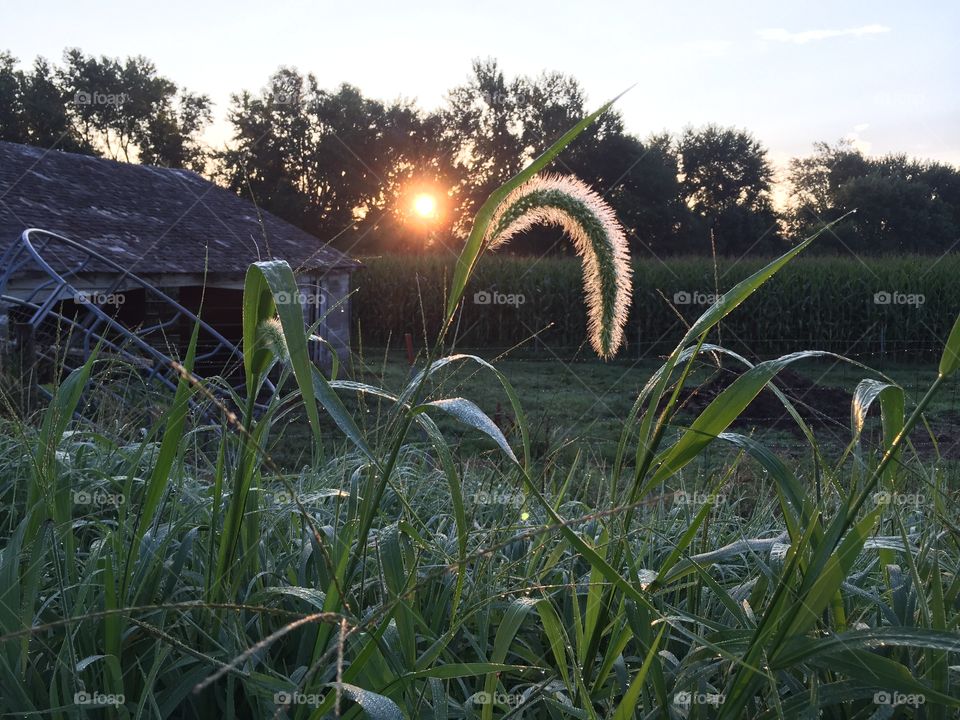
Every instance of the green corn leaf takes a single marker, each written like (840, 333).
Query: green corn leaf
(950, 360)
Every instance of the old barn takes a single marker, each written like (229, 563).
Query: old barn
(139, 246)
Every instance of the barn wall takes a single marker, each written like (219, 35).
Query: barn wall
(337, 325)
(320, 293)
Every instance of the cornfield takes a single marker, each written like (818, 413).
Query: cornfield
(899, 305)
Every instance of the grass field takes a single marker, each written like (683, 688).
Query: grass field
(179, 571)
(580, 406)
(487, 538)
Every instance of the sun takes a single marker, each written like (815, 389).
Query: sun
(425, 205)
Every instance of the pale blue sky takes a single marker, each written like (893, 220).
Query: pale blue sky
(883, 73)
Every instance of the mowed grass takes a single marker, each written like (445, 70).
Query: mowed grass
(579, 406)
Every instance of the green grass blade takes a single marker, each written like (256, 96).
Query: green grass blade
(469, 414)
(627, 707)
(169, 446)
(721, 412)
(950, 360)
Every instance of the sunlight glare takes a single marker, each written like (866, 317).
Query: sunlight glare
(425, 205)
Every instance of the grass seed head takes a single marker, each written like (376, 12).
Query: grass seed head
(597, 235)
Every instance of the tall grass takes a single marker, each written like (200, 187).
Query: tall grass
(182, 574)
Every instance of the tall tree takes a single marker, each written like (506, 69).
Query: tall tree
(334, 162)
(12, 125)
(726, 179)
(479, 136)
(902, 204)
(33, 107)
(494, 126)
(123, 110)
(128, 111)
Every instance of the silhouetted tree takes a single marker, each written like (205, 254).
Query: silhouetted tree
(336, 163)
(123, 110)
(493, 127)
(33, 107)
(126, 110)
(902, 204)
(726, 181)
(347, 167)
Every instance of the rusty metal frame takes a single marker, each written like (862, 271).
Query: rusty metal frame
(29, 255)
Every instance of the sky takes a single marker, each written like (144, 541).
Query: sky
(883, 74)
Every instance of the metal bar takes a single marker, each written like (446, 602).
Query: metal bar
(39, 248)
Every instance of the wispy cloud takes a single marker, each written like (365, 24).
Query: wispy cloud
(806, 36)
(856, 139)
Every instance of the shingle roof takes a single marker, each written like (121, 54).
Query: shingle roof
(156, 220)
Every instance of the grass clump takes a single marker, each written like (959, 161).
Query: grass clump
(183, 573)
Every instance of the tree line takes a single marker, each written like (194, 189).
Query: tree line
(346, 167)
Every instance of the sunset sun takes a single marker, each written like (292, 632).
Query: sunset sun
(425, 205)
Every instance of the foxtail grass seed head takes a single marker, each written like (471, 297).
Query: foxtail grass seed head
(599, 240)
(271, 336)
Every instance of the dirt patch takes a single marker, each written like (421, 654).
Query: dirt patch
(818, 405)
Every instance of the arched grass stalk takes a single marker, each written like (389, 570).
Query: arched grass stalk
(597, 235)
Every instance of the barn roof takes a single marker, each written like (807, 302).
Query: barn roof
(149, 219)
